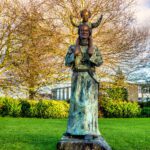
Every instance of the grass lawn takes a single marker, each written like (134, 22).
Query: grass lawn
(43, 134)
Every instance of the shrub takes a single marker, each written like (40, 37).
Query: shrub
(15, 109)
(41, 109)
(144, 104)
(117, 93)
(6, 107)
(58, 109)
(28, 108)
(10, 106)
(146, 111)
(33, 108)
(119, 109)
(52, 109)
(1, 106)
(25, 108)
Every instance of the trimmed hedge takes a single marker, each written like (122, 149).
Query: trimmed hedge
(9, 107)
(33, 108)
(144, 104)
(145, 112)
(119, 109)
(60, 109)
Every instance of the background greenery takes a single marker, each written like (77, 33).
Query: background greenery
(43, 134)
(145, 108)
(117, 93)
(59, 109)
(33, 108)
(119, 109)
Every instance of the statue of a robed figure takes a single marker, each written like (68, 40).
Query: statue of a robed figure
(83, 57)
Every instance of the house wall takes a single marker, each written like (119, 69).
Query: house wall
(144, 92)
(132, 92)
(61, 93)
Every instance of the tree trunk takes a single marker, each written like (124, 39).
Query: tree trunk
(31, 94)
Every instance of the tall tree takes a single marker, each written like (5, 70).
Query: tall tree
(8, 25)
(43, 32)
(34, 61)
(119, 78)
(117, 37)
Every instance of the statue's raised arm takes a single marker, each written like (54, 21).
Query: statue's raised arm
(97, 23)
(72, 22)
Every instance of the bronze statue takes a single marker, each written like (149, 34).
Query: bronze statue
(83, 57)
(85, 15)
(83, 115)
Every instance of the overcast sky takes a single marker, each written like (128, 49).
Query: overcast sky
(143, 12)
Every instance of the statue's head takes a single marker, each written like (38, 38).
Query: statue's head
(85, 14)
(84, 31)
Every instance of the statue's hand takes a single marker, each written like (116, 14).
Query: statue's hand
(71, 17)
(101, 17)
(90, 51)
(77, 50)
(90, 41)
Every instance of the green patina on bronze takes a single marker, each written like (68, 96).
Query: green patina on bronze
(83, 115)
(83, 57)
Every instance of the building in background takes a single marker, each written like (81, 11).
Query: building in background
(140, 78)
(60, 91)
(139, 92)
(136, 91)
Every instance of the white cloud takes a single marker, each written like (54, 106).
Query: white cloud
(143, 12)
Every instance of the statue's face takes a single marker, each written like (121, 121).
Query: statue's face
(84, 32)
(85, 16)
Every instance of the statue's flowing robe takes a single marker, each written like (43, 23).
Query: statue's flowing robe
(83, 114)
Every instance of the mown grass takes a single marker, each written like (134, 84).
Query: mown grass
(43, 134)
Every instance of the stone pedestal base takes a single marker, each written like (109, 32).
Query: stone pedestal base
(81, 144)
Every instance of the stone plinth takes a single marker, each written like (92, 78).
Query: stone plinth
(67, 143)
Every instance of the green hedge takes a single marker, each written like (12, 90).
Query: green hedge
(144, 104)
(117, 93)
(9, 107)
(145, 112)
(119, 109)
(60, 109)
(33, 108)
